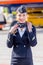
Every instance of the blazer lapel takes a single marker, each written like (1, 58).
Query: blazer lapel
(17, 33)
(25, 34)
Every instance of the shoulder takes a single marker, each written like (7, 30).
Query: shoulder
(33, 28)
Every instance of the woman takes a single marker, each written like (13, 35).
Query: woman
(21, 37)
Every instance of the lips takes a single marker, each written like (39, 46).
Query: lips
(21, 19)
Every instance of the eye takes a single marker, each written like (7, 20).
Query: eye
(23, 14)
(19, 15)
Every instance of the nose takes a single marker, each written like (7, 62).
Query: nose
(21, 17)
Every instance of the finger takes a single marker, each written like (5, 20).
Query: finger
(16, 25)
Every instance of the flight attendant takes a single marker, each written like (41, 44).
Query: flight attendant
(22, 36)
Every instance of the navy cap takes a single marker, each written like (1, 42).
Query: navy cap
(22, 9)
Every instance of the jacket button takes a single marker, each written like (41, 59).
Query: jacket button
(24, 45)
(16, 45)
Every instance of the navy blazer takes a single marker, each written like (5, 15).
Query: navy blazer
(22, 46)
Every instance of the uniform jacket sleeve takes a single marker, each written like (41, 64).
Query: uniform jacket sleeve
(10, 37)
(32, 37)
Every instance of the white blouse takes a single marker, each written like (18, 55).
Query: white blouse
(21, 32)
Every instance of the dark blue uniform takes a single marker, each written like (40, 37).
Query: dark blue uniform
(21, 54)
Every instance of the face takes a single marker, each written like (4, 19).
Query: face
(21, 17)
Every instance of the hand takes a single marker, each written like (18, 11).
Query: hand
(29, 25)
(13, 29)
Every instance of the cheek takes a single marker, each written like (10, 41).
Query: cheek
(25, 17)
(17, 17)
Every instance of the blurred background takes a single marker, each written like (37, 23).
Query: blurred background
(7, 16)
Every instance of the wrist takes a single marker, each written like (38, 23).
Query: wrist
(11, 32)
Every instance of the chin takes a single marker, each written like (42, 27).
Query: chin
(22, 21)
